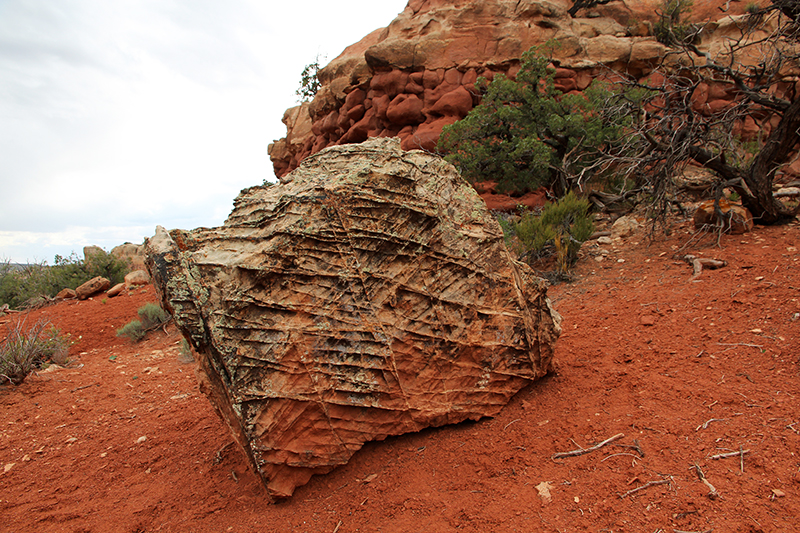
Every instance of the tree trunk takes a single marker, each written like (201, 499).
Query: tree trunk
(776, 151)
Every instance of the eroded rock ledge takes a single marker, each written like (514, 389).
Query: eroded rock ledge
(369, 294)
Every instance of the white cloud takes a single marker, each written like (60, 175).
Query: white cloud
(118, 116)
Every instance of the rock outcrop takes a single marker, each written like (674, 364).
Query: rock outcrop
(418, 75)
(133, 254)
(369, 294)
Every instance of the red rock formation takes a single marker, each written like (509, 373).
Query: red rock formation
(418, 75)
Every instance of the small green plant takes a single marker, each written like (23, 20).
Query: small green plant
(671, 27)
(25, 350)
(133, 330)
(151, 317)
(559, 229)
(309, 81)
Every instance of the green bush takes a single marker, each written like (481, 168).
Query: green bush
(559, 229)
(525, 134)
(671, 27)
(19, 285)
(309, 81)
(23, 350)
(151, 316)
(133, 330)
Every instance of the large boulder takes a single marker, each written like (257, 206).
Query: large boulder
(369, 294)
(136, 278)
(92, 287)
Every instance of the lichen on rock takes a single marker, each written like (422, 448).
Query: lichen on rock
(368, 294)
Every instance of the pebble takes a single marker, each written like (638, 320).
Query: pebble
(141, 439)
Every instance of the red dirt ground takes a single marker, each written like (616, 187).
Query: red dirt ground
(716, 372)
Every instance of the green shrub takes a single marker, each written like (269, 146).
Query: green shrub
(559, 229)
(23, 350)
(309, 81)
(151, 316)
(671, 27)
(133, 330)
(19, 285)
(525, 134)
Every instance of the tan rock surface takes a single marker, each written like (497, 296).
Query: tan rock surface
(369, 294)
(137, 277)
(92, 287)
(131, 253)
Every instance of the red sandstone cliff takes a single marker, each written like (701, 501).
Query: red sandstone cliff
(417, 75)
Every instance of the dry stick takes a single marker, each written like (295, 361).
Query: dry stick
(705, 424)
(645, 486)
(699, 262)
(712, 492)
(337, 526)
(731, 454)
(636, 446)
(741, 459)
(582, 451)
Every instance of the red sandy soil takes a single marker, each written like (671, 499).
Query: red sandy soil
(684, 369)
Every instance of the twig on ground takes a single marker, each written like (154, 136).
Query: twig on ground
(741, 459)
(517, 420)
(218, 457)
(739, 344)
(582, 451)
(635, 446)
(647, 485)
(337, 526)
(712, 491)
(699, 262)
(705, 424)
(727, 455)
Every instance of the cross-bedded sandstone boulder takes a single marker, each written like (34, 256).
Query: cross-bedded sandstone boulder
(369, 294)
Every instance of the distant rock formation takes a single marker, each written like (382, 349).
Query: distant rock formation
(369, 294)
(418, 75)
(133, 254)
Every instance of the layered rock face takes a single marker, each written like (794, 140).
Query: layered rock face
(369, 294)
(418, 75)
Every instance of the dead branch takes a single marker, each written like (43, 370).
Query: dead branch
(699, 262)
(582, 451)
(647, 485)
(635, 446)
(712, 491)
(731, 454)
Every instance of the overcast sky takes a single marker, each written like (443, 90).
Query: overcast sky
(121, 115)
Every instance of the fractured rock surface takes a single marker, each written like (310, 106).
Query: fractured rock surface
(369, 294)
